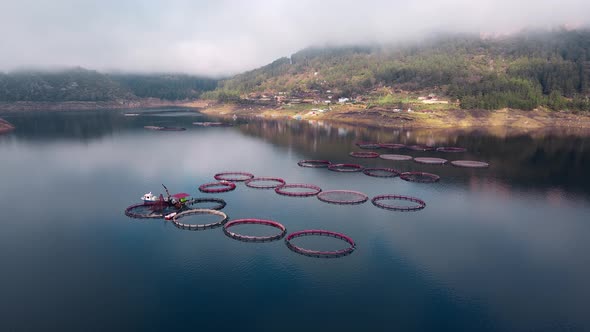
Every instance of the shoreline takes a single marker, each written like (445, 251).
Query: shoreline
(27, 106)
(381, 117)
(355, 115)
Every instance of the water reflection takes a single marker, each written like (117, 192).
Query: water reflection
(91, 125)
(498, 249)
(541, 160)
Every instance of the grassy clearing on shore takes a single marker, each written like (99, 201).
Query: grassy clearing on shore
(405, 101)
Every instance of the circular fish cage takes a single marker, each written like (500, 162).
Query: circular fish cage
(345, 168)
(396, 157)
(363, 154)
(217, 187)
(430, 161)
(314, 163)
(368, 145)
(195, 227)
(320, 253)
(421, 177)
(342, 197)
(379, 201)
(148, 211)
(293, 190)
(470, 163)
(420, 147)
(392, 146)
(451, 149)
(265, 183)
(220, 203)
(381, 172)
(251, 238)
(233, 176)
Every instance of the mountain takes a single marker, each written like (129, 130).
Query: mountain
(523, 71)
(79, 84)
(548, 69)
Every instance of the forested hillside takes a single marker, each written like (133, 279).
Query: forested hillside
(80, 84)
(523, 71)
(166, 86)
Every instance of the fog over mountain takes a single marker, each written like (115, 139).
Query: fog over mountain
(229, 36)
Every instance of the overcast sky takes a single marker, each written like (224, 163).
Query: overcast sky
(228, 36)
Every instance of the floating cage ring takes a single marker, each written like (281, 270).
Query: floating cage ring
(381, 172)
(345, 168)
(277, 182)
(421, 177)
(450, 149)
(470, 163)
(223, 218)
(220, 202)
(392, 146)
(430, 161)
(368, 145)
(377, 201)
(420, 147)
(355, 197)
(217, 187)
(131, 213)
(233, 176)
(396, 157)
(320, 253)
(314, 163)
(284, 190)
(364, 154)
(251, 238)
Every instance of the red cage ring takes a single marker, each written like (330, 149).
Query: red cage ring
(377, 201)
(277, 183)
(233, 176)
(217, 187)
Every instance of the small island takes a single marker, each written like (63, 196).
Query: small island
(5, 126)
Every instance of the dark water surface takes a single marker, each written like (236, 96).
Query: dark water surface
(499, 249)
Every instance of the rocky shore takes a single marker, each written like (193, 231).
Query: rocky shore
(380, 117)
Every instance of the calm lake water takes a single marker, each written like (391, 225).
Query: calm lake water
(498, 249)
